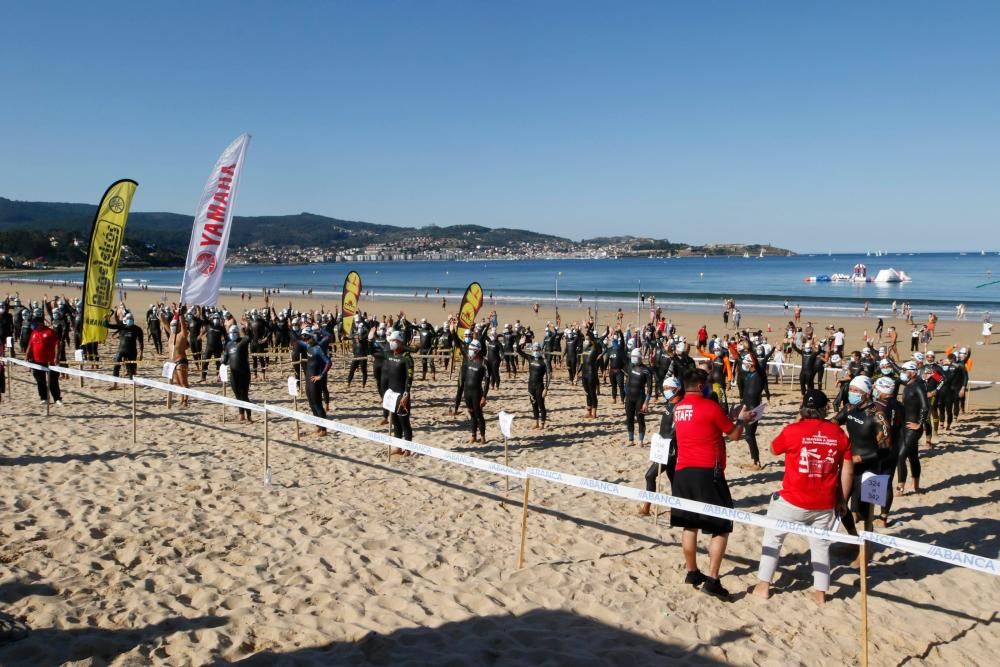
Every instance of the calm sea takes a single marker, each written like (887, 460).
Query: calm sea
(940, 281)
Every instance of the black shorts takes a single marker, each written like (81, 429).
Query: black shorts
(700, 485)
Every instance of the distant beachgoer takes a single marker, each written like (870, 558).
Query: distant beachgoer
(866, 310)
(987, 332)
(444, 303)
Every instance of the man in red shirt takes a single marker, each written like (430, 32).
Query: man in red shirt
(702, 338)
(43, 346)
(701, 430)
(817, 457)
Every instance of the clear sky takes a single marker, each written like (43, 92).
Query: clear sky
(811, 125)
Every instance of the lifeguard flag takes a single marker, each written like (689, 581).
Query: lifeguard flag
(212, 223)
(106, 237)
(471, 303)
(349, 301)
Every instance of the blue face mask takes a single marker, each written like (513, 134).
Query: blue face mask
(854, 399)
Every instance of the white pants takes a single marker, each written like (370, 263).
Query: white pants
(819, 549)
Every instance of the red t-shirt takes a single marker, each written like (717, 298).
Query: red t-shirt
(814, 450)
(701, 426)
(42, 345)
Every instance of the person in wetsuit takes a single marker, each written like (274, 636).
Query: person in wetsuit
(317, 367)
(509, 357)
(153, 328)
(129, 345)
(868, 431)
(195, 325)
(462, 346)
(215, 345)
(260, 331)
(359, 354)
(398, 372)
(616, 369)
(959, 382)
(753, 389)
(807, 374)
(673, 393)
(892, 410)
(236, 356)
(638, 391)
(476, 386)
(588, 371)
(426, 347)
(538, 382)
(571, 357)
(916, 407)
(494, 353)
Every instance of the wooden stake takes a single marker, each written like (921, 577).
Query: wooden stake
(656, 510)
(267, 445)
(506, 462)
(295, 406)
(524, 523)
(864, 603)
(133, 413)
(81, 377)
(170, 394)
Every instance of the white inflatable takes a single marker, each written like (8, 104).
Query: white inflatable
(891, 275)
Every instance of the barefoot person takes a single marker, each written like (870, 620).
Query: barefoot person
(702, 429)
(476, 387)
(673, 392)
(817, 457)
(178, 344)
(915, 410)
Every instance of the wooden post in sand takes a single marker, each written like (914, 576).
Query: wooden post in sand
(524, 523)
(170, 394)
(81, 377)
(656, 510)
(864, 603)
(506, 462)
(295, 406)
(267, 449)
(133, 412)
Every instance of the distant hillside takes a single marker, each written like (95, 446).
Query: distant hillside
(57, 233)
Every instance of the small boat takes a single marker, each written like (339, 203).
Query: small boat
(746, 255)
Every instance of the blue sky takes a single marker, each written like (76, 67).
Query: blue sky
(815, 126)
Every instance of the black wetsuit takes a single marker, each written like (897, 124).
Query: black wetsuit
(571, 355)
(538, 384)
(588, 373)
(807, 374)
(959, 386)
(194, 326)
(638, 389)
(915, 409)
(154, 330)
(892, 410)
(380, 350)
(317, 365)
(261, 333)
(427, 339)
(476, 387)
(868, 432)
(215, 344)
(237, 357)
(753, 389)
(510, 358)
(398, 374)
(616, 369)
(668, 432)
(494, 352)
(359, 352)
(129, 346)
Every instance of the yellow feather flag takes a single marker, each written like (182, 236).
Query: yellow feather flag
(106, 238)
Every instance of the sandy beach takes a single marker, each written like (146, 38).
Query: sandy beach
(174, 551)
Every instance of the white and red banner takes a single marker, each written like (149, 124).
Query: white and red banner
(212, 223)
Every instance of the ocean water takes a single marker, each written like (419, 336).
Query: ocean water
(940, 281)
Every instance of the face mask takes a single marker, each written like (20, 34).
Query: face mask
(395, 345)
(667, 395)
(472, 355)
(536, 355)
(854, 399)
(748, 368)
(886, 371)
(706, 391)
(905, 376)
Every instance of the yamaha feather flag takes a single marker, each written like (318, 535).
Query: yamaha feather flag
(106, 238)
(212, 224)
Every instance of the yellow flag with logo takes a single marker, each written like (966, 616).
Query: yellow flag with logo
(106, 238)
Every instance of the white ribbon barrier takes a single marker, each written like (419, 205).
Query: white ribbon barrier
(950, 556)
(673, 502)
(194, 393)
(90, 374)
(415, 447)
(26, 364)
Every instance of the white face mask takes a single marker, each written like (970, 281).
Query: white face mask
(905, 376)
(667, 395)
(472, 355)
(394, 345)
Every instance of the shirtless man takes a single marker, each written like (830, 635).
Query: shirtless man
(178, 345)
